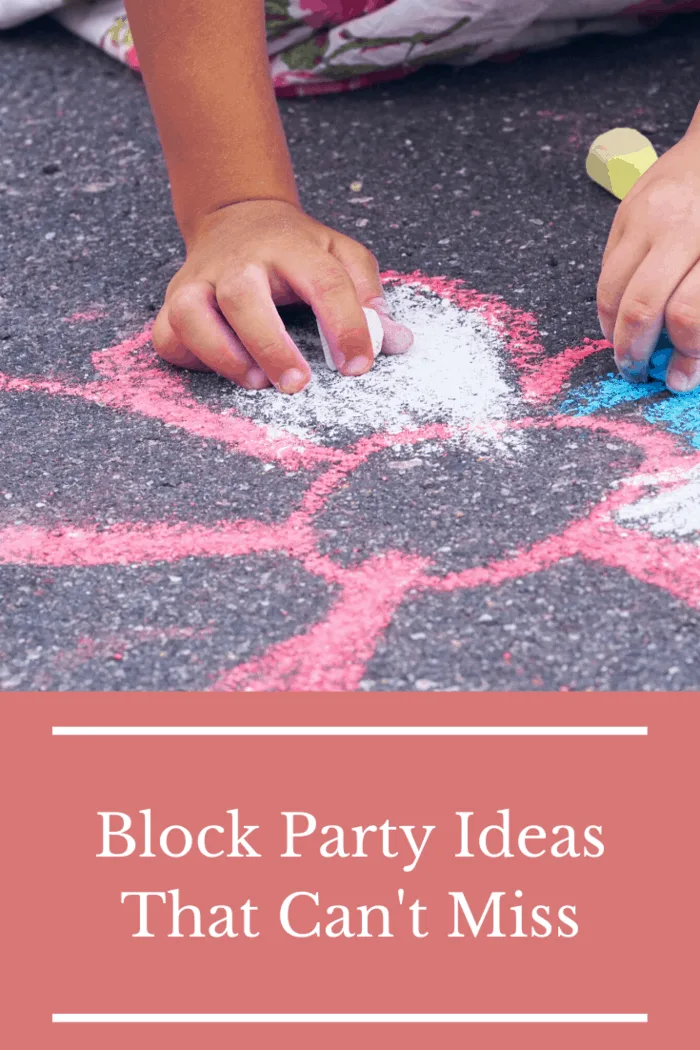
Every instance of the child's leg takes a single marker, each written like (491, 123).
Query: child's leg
(103, 23)
(332, 45)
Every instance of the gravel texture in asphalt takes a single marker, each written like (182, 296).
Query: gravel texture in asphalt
(162, 530)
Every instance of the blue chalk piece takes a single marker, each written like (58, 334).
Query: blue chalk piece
(679, 414)
(658, 363)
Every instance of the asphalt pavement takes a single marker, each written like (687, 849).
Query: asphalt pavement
(166, 532)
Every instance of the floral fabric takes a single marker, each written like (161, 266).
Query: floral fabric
(333, 45)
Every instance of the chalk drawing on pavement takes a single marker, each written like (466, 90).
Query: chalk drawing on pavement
(644, 524)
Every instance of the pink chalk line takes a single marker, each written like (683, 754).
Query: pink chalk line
(369, 595)
(541, 378)
(333, 654)
(88, 315)
(135, 382)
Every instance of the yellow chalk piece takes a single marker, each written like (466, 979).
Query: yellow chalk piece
(617, 158)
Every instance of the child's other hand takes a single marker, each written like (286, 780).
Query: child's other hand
(651, 268)
(245, 260)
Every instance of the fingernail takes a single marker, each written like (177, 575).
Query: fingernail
(607, 332)
(640, 349)
(256, 379)
(292, 381)
(641, 346)
(678, 381)
(634, 371)
(682, 382)
(357, 366)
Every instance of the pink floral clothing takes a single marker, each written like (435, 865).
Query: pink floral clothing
(333, 45)
(321, 13)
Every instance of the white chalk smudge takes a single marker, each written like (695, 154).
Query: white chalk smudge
(454, 374)
(673, 512)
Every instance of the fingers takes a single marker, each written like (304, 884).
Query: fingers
(325, 284)
(361, 266)
(198, 326)
(641, 309)
(397, 337)
(245, 299)
(619, 266)
(683, 324)
(617, 230)
(364, 274)
(167, 345)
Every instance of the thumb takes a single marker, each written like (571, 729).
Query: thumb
(364, 273)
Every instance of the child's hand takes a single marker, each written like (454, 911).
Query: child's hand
(651, 268)
(244, 260)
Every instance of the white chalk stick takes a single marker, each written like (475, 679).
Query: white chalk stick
(376, 333)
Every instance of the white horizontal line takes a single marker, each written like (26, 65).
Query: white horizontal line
(350, 1018)
(349, 730)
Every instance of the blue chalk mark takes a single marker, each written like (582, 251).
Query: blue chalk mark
(616, 390)
(658, 363)
(609, 392)
(679, 413)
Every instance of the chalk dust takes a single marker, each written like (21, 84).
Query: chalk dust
(453, 374)
(673, 513)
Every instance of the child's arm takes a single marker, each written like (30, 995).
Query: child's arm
(651, 267)
(249, 245)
